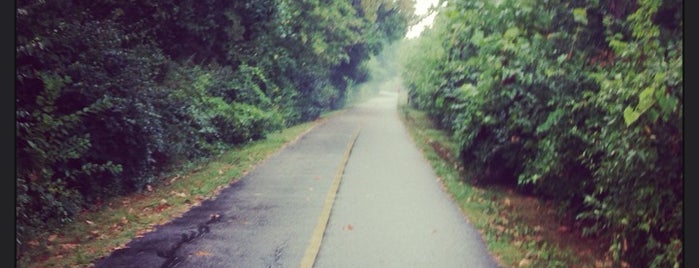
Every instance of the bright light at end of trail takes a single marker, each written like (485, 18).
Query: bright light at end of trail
(421, 8)
(418, 28)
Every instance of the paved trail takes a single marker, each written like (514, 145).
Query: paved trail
(353, 192)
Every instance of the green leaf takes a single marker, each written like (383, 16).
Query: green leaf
(645, 99)
(469, 89)
(630, 116)
(551, 120)
(439, 102)
(580, 15)
(653, 115)
(477, 38)
(667, 103)
(488, 120)
(561, 58)
(511, 33)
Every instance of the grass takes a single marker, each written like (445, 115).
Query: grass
(95, 234)
(519, 230)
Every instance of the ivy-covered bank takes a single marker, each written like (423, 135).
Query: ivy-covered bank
(580, 102)
(112, 94)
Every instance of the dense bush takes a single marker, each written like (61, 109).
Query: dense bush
(577, 101)
(49, 163)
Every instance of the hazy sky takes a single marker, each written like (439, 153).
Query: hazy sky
(421, 7)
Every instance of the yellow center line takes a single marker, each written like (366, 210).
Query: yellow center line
(309, 257)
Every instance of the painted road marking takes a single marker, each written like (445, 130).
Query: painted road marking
(309, 257)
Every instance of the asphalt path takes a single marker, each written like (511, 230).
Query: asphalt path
(352, 192)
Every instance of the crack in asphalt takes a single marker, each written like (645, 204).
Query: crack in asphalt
(170, 256)
(277, 256)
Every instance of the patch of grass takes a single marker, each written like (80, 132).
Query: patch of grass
(519, 230)
(95, 234)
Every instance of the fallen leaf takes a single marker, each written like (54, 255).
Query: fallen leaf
(161, 207)
(538, 228)
(505, 221)
(563, 229)
(500, 228)
(538, 238)
(525, 262)
(202, 253)
(144, 231)
(601, 264)
(220, 172)
(586, 252)
(68, 246)
(89, 222)
(508, 203)
(52, 237)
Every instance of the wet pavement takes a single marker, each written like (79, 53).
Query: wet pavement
(389, 209)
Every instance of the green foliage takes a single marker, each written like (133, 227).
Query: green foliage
(576, 101)
(50, 148)
(228, 107)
